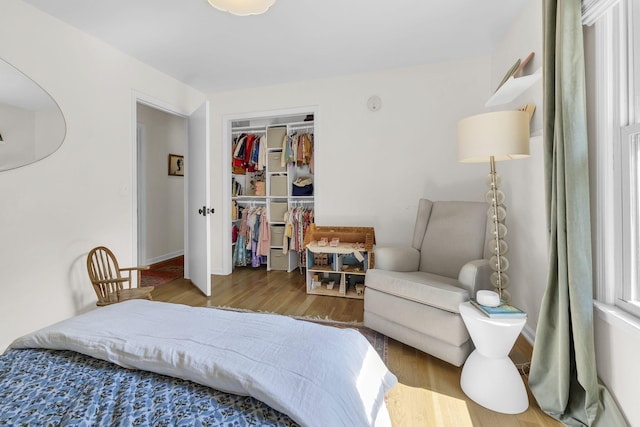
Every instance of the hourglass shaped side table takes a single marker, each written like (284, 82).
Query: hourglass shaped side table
(489, 377)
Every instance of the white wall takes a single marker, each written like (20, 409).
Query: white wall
(163, 221)
(372, 167)
(55, 210)
(617, 349)
(523, 180)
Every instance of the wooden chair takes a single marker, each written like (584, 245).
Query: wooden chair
(108, 280)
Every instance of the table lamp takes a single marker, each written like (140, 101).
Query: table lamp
(493, 137)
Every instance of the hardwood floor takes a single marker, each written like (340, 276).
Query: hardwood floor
(428, 391)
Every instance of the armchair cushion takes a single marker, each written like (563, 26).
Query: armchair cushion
(424, 288)
(455, 234)
(397, 258)
(446, 328)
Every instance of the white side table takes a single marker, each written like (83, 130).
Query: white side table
(489, 377)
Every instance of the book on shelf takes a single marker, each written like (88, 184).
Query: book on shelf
(523, 64)
(503, 310)
(510, 72)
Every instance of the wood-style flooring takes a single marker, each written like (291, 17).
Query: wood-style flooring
(428, 391)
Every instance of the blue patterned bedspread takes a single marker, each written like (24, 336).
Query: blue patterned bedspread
(49, 388)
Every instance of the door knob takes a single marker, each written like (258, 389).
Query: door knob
(204, 211)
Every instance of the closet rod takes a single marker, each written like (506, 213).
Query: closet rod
(261, 202)
(309, 123)
(248, 130)
(301, 127)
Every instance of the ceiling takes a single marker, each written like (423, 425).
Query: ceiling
(295, 40)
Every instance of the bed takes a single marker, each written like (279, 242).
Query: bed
(151, 363)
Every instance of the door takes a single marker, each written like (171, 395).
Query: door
(198, 243)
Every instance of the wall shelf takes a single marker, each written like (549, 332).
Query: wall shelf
(512, 88)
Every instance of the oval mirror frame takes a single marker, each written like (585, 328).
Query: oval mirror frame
(32, 125)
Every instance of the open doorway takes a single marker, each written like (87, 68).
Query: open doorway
(160, 148)
(195, 223)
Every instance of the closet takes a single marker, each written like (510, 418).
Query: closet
(272, 190)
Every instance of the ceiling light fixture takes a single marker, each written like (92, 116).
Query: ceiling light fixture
(242, 7)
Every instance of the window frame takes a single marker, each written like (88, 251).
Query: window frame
(617, 225)
(628, 293)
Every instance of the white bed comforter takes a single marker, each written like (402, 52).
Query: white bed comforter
(318, 375)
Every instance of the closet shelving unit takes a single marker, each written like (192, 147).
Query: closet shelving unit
(278, 197)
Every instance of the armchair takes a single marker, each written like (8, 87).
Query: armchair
(413, 293)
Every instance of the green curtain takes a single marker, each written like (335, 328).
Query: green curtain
(563, 375)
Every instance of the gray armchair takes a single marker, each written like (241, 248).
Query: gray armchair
(412, 294)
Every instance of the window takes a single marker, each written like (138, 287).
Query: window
(617, 152)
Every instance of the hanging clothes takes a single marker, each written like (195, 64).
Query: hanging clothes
(249, 153)
(237, 161)
(283, 154)
(252, 245)
(297, 150)
(311, 155)
(300, 149)
(262, 153)
(264, 239)
(307, 149)
(298, 220)
(240, 256)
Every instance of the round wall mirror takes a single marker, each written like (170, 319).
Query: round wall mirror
(31, 123)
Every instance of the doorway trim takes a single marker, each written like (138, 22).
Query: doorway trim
(140, 98)
(141, 188)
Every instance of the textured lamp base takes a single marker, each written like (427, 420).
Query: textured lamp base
(489, 377)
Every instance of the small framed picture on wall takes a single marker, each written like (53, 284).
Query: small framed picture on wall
(176, 165)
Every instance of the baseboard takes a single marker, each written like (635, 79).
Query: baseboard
(529, 334)
(164, 257)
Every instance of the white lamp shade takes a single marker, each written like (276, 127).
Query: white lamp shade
(242, 7)
(502, 134)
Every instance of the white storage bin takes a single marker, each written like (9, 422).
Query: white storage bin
(277, 235)
(274, 159)
(278, 260)
(275, 136)
(278, 186)
(277, 211)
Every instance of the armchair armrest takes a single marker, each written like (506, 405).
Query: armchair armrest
(397, 258)
(129, 272)
(114, 280)
(474, 276)
(141, 268)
